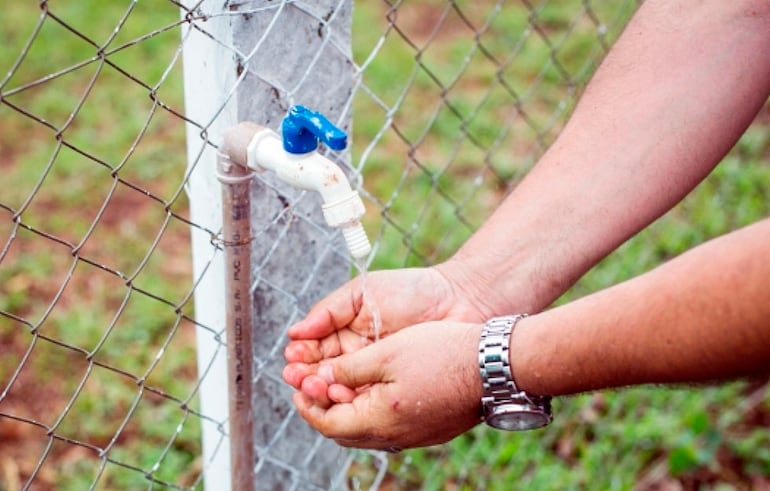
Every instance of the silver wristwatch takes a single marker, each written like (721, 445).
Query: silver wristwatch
(503, 406)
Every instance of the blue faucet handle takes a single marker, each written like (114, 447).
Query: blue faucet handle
(302, 128)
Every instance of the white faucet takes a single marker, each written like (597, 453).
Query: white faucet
(294, 159)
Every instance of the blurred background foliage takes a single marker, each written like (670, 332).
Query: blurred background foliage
(456, 106)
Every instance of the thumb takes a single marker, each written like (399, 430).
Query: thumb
(331, 314)
(362, 367)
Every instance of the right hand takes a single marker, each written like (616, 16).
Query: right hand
(394, 401)
(342, 322)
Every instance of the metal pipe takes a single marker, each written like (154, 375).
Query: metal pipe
(248, 148)
(236, 240)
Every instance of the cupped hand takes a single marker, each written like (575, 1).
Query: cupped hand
(342, 322)
(419, 386)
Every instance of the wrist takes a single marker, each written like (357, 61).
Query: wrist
(465, 298)
(494, 284)
(526, 358)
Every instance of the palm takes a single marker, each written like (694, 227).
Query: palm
(343, 322)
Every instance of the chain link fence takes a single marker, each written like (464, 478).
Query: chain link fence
(110, 378)
(98, 384)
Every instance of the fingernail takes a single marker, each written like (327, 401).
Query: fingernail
(287, 353)
(293, 327)
(326, 372)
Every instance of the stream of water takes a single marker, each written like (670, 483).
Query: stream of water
(369, 303)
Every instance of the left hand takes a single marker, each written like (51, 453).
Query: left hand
(418, 387)
(341, 322)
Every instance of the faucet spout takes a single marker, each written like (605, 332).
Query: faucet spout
(310, 171)
(342, 205)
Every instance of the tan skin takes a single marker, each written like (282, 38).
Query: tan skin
(341, 322)
(696, 324)
(674, 94)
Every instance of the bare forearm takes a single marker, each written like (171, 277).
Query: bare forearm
(703, 316)
(672, 97)
(674, 94)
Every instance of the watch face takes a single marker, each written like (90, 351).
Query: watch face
(518, 417)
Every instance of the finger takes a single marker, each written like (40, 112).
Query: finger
(349, 341)
(343, 421)
(316, 389)
(304, 351)
(334, 312)
(313, 351)
(355, 369)
(311, 412)
(339, 393)
(294, 373)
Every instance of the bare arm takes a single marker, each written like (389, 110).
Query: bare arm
(674, 94)
(703, 316)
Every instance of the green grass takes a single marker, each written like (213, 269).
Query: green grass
(475, 101)
(447, 161)
(97, 267)
(468, 120)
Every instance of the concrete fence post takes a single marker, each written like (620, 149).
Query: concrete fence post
(250, 61)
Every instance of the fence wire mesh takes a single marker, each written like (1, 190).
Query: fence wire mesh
(451, 102)
(98, 376)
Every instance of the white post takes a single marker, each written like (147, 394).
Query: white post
(207, 75)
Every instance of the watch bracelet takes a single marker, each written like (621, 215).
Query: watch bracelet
(495, 368)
